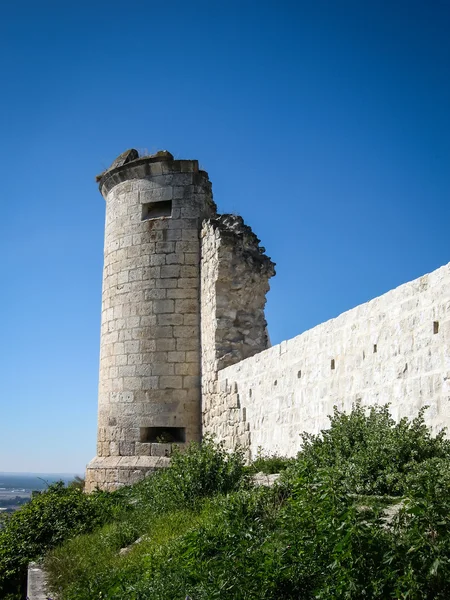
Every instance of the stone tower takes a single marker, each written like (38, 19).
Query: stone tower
(149, 384)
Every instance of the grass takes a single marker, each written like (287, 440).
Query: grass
(87, 561)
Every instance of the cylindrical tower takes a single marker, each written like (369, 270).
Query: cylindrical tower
(149, 384)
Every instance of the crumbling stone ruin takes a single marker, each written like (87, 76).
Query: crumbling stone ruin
(184, 343)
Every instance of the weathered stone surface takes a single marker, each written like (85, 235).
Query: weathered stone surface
(127, 549)
(395, 348)
(36, 582)
(112, 472)
(235, 276)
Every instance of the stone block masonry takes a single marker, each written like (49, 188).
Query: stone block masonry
(395, 348)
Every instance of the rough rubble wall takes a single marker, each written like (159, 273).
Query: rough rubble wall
(395, 348)
(234, 281)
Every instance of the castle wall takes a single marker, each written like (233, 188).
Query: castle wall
(395, 348)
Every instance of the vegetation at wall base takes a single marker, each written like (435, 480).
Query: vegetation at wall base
(50, 518)
(362, 512)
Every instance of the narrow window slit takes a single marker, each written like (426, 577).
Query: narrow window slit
(375, 348)
(153, 210)
(333, 364)
(435, 327)
(165, 435)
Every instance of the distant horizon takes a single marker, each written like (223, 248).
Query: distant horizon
(71, 474)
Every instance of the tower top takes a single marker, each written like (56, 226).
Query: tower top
(129, 165)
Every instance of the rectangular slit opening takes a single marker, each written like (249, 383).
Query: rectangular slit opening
(163, 435)
(435, 327)
(154, 210)
(333, 364)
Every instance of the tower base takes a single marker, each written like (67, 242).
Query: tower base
(112, 472)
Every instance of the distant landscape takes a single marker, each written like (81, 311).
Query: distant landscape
(16, 488)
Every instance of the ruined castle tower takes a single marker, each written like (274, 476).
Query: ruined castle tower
(149, 384)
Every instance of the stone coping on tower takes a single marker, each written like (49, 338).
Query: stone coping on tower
(143, 167)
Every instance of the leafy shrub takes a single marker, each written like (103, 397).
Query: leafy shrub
(224, 556)
(184, 553)
(77, 482)
(46, 521)
(423, 532)
(201, 470)
(371, 452)
(333, 546)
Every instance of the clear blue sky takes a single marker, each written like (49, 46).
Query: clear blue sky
(326, 125)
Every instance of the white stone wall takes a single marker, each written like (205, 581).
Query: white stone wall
(395, 348)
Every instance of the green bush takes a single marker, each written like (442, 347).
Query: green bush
(201, 470)
(333, 544)
(46, 521)
(370, 451)
(225, 556)
(324, 533)
(423, 532)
